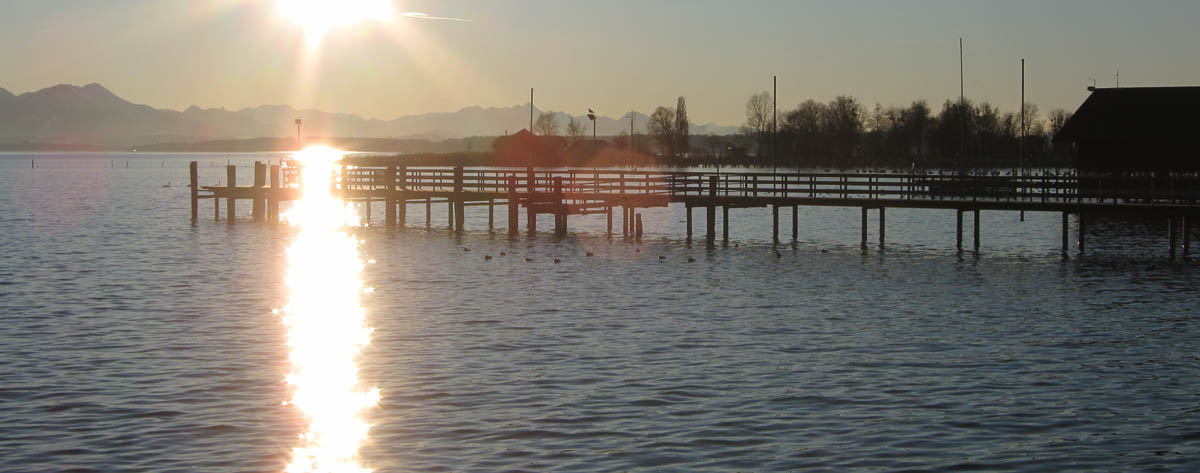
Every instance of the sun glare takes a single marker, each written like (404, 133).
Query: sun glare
(317, 17)
(326, 323)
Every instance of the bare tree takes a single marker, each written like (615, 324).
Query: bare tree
(758, 117)
(662, 127)
(682, 138)
(575, 129)
(1058, 118)
(546, 125)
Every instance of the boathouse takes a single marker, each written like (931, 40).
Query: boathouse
(1135, 129)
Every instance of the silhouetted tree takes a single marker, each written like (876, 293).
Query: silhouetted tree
(1058, 117)
(575, 129)
(758, 118)
(682, 138)
(546, 125)
(662, 127)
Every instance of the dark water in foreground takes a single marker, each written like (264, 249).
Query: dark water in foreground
(133, 341)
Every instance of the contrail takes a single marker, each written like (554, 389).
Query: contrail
(425, 16)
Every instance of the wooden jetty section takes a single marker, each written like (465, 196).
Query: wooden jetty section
(564, 192)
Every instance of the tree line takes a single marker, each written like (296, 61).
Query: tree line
(843, 132)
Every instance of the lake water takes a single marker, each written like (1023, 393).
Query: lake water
(133, 340)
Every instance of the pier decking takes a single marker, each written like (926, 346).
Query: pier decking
(566, 191)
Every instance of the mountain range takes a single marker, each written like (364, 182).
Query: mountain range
(92, 116)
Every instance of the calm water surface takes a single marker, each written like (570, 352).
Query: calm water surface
(133, 340)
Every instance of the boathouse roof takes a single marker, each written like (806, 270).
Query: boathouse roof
(1136, 128)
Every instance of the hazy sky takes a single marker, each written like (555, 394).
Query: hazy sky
(608, 55)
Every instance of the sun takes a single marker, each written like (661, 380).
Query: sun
(317, 17)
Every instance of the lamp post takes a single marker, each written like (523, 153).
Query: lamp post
(592, 116)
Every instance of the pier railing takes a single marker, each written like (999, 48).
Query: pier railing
(609, 184)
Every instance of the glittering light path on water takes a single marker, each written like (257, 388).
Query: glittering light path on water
(326, 323)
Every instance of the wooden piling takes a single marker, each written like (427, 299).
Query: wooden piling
(530, 214)
(259, 204)
(608, 209)
(491, 214)
(194, 180)
(460, 214)
(688, 210)
(450, 215)
(710, 212)
(428, 213)
(389, 185)
(976, 228)
(882, 226)
(958, 230)
(560, 208)
(1066, 242)
(512, 206)
(638, 234)
(725, 223)
(775, 223)
(795, 222)
(273, 197)
(864, 227)
(231, 176)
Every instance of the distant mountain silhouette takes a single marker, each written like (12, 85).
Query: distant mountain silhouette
(93, 116)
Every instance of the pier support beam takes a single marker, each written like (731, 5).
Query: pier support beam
(560, 208)
(688, 209)
(725, 223)
(958, 230)
(710, 212)
(1066, 241)
(608, 216)
(273, 198)
(402, 205)
(795, 222)
(491, 214)
(460, 214)
(259, 204)
(193, 181)
(638, 232)
(976, 230)
(389, 184)
(864, 228)
(775, 223)
(231, 181)
(450, 214)
(428, 213)
(513, 218)
(882, 226)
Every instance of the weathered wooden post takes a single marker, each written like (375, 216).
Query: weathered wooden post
(795, 224)
(976, 230)
(1066, 242)
(688, 209)
(428, 212)
(491, 214)
(710, 223)
(882, 226)
(275, 195)
(638, 234)
(725, 222)
(625, 223)
(608, 210)
(193, 180)
(512, 205)
(560, 208)
(958, 229)
(231, 178)
(460, 214)
(775, 222)
(530, 214)
(864, 228)
(389, 202)
(259, 204)
(402, 198)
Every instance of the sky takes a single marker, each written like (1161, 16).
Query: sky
(612, 56)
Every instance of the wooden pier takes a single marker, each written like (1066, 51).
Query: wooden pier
(564, 192)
